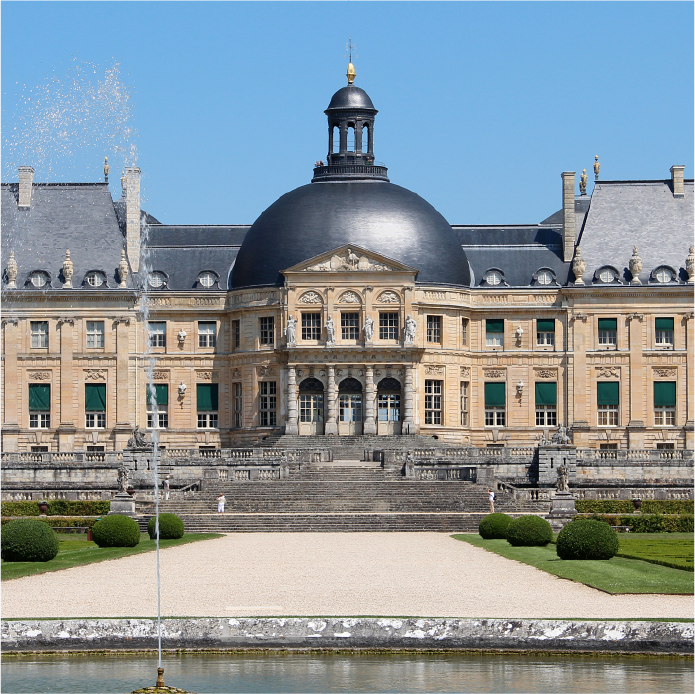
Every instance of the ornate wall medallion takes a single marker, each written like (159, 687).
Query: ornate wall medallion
(388, 298)
(310, 298)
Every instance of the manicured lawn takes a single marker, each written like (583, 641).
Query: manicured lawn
(667, 549)
(616, 575)
(76, 552)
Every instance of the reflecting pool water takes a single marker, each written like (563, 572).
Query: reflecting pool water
(292, 672)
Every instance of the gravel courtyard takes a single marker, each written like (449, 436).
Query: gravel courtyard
(302, 574)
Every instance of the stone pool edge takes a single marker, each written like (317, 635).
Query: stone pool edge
(345, 633)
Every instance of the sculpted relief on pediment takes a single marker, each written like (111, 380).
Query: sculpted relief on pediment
(349, 261)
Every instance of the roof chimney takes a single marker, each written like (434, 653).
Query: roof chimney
(677, 180)
(132, 206)
(569, 225)
(26, 183)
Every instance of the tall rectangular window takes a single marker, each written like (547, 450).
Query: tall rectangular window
(433, 402)
(495, 403)
(665, 403)
(158, 334)
(608, 400)
(546, 404)
(311, 326)
(236, 334)
(207, 399)
(267, 331)
(95, 405)
(39, 333)
(664, 332)
(158, 417)
(350, 326)
(434, 328)
(207, 334)
(545, 331)
(608, 331)
(39, 406)
(464, 332)
(388, 326)
(464, 404)
(95, 333)
(267, 403)
(238, 404)
(494, 332)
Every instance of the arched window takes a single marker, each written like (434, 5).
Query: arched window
(336, 139)
(351, 137)
(365, 138)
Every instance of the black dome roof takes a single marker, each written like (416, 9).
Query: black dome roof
(381, 217)
(351, 97)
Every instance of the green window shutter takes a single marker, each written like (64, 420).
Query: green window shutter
(495, 394)
(162, 394)
(546, 393)
(39, 398)
(608, 392)
(664, 323)
(95, 397)
(664, 393)
(545, 326)
(207, 397)
(607, 323)
(494, 325)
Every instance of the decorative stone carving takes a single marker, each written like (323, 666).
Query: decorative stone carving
(125, 320)
(583, 180)
(138, 442)
(349, 298)
(560, 437)
(388, 298)
(562, 484)
(182, 389)
(434, 370)
(181, 337)
(40, 375)
(494, 373)
(310, 298)
(635, 265)
(409, 331)
(236, 373)
(265, 371)
(584, 317)
(11, 271)
(578, 266)
(466, 371)
(690, 265)
(546, 373)
(608, 372)
(291, 331)
(95, 374)
(665, 372)
(208, 375)
(160, 375)
(123, 477)
(597, 167)
(519, 334)
(68, 270)
(368, 329)
(330, 331)
(65, 319)
(347, 263)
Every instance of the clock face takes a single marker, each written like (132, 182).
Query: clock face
(544, 277)
(664, 275)
(607, 275)
(207, 279)
(493, 278)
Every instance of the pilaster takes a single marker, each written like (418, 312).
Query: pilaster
(123, 428)
(690, 391)
(636, 424)
(369, 421)
(331, 425)
(66, 430)
(10, 425)
(408, 420)
(292, 426)
(578, 408)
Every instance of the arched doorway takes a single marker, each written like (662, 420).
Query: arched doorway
(350, 407)
(310, 407)
(388, 406)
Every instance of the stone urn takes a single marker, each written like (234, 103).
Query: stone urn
(130, 490)
(43, 507)
(637, 503)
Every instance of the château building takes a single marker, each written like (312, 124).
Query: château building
(350, 306)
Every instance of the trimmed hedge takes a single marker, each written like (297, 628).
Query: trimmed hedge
(529, 531)
(79, 521)
(170, 527)
(116, 531)
(587, 538)
(28, 540)
(626, 506)
(655, 523)
(494, 526)
(57, 507)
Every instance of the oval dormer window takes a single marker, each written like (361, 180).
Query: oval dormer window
(663, 275)
(39, 279)
(156, 280)
(493, 277)
(607, 275)
(207, 279)
(544, 277)
(94, 279)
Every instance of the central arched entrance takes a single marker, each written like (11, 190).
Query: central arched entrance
(310, 407)
(388, 406)
(350, 407)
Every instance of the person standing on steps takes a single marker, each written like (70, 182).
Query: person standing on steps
(491, 499)
(221, 501)
(165, 488)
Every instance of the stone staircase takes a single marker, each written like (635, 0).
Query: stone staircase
(343, 496)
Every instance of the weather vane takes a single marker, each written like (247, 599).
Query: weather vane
(349, 47)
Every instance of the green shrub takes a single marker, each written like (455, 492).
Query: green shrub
(618, 506)
(652, 523)
(494, 526)
(79, 521)
(116, 531)
(57, 507)
(170, 527)
(587, 538)
(28, 540)
(681, 506)
(529, 531)
(20, 508)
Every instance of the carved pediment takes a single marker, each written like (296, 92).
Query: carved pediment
(350, 258)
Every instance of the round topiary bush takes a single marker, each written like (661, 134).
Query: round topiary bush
(529, 531)
(28, 540)
(116, 531)
(587, 538)
(494, 526)
(170, 527)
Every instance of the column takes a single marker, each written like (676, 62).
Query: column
(408, 421)
(122, 430)
(636, 423)
(331, 426)
(369, 422)
(10, 425)
(292, 426)
(66, 430)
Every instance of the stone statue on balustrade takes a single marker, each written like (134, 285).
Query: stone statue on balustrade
(410, 328)
(368, 329)
(561, 436)
(138, 441)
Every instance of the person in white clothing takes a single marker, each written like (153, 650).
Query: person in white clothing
(220, 503)
(491, 499)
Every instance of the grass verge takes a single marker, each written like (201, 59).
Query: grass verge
(666, 549)
(617, 575)
(77, 552)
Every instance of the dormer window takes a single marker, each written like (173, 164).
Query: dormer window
(493, 277)
(207, 279)
(544, 277)
(663, 275)
(95, 279)
(606, 275)
(157, 280)
(39, 279)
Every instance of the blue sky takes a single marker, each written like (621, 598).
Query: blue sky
(481, 105)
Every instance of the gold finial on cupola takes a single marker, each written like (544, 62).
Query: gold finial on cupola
(351, 74)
